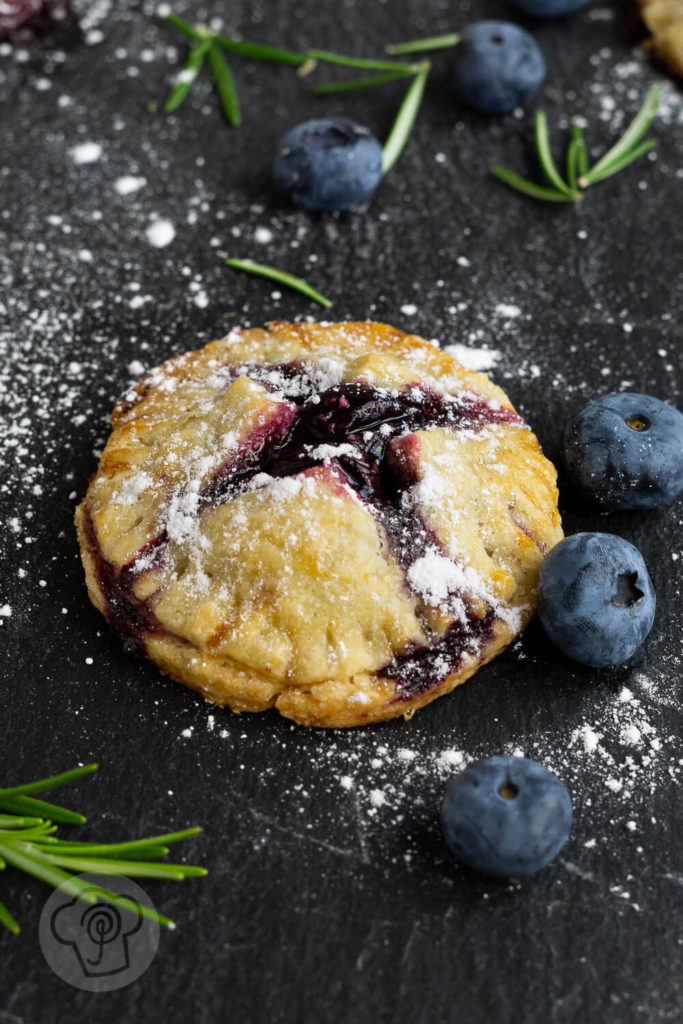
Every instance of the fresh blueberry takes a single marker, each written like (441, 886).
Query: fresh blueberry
(506, 816)
(328, 164)
(595, 598)
(497, 66)
(626, 451)
(548, 8)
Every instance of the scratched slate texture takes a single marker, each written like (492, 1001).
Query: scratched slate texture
(321, 906)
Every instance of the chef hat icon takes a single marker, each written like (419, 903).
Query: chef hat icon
(98, 932)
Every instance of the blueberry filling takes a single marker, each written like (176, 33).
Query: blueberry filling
(130, 618)
(422, 669)
(364, 419)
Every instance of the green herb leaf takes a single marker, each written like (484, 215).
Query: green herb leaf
(444, 42)
(116, 866)
(579, 140)
(359, 62)
(360, 83)
(134, 846)
(618, 165)
(281, 276)
(189, 30)
(15, 822)
(633, 134)
(28, 805)
(53, 782)
(225, 84)
(188, 76)
(545, 156)
(528, 188)
(260, 51)
(405, 119)
(8, 921)
(573, 165)
(149, 852)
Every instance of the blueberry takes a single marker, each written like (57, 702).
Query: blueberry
(595, 598)
(328, 164)
(506, 816)
(626, 451)
(549, 8)
(497, 66)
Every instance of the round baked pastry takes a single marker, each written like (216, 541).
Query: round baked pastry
(336, 520)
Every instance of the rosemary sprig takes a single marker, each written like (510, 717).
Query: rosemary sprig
(405, 119)
(208, 44)
(443, 42)
(580, 175)
(280, 276)
(27, 843)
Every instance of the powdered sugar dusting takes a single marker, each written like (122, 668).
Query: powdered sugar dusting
(160, 233)
(473, 358)
(86, 153)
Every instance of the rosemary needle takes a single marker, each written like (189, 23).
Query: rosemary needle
(359, 62)
(225, 84)
(405, 119)
(281, 276)
(529, 188)
(444, 42)
(360, 83)
(628, 141)
(545, 156)
(188, 76)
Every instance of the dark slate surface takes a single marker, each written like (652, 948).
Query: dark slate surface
(324, 904)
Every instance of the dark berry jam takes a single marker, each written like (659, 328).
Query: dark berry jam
(419, 670)
(131, 618)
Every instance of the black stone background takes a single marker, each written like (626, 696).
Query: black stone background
(316, 908)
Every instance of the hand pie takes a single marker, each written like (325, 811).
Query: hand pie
(336, 520)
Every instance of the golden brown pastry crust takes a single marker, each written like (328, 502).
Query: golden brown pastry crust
(343, 580)
(664, 19)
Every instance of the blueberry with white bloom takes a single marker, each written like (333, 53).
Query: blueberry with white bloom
(328, 164)
(506, 816)
(625, 451)
(497, 66)
(595, 598)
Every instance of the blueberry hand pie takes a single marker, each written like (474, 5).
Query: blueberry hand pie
(336, 520)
